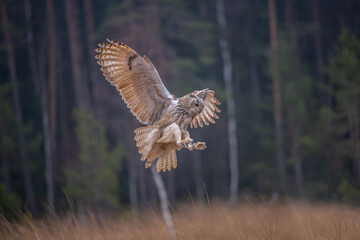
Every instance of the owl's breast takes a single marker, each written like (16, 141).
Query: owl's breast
(176, 115)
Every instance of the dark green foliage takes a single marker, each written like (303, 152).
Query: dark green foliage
(92, 177)
(344, 72)
(344, 75)
(10, 205)
(348, 192)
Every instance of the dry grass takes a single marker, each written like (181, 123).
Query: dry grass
(245, 221)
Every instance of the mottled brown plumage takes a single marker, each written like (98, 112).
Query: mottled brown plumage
(167, 117)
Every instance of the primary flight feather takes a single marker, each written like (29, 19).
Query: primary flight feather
(167, 117)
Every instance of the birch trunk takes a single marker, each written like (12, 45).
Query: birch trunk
(134, 202)
(230, 103)
(44, 97)
(18, 112)
(142, 185)
(40, 85)
(196, 157)
(170, 188)
(276, 81)
(164, 202)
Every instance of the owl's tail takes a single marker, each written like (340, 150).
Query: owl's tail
(167, 161)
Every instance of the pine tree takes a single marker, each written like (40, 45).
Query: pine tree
(344, 74)
(93, 177)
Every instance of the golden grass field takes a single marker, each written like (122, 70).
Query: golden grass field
(217, 221)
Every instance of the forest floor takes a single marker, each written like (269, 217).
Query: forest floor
(217, 221)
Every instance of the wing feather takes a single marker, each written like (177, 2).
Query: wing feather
(208, 114)
(136, 79)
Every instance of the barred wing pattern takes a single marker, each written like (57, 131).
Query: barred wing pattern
(136, 79)
(210, 109)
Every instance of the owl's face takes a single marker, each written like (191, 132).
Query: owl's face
(193, 104)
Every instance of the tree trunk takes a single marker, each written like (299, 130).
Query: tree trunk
(18, 114)
(134, 202)
(94, 71)
(4, 158)
(89, 19)
(293, 123)
(81, 85)
(275, 74)
(52, 117)
(142, 184)
(324, 99)
(230, 103)
(196, 158)
(292, 32)
(52, 70)
(295, 156)
(163, 201)
(44, 97)
(40, 85)
(65, 147)
(317, 39)
(255, 86)
(170, 188)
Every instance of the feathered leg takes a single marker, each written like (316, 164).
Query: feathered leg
(189, 143)
(172, 133)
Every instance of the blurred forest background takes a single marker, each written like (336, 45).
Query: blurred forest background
(287, 73)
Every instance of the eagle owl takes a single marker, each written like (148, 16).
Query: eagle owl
(166, 116)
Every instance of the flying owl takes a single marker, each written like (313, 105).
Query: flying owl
(166, 116)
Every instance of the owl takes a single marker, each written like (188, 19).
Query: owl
(166, 116)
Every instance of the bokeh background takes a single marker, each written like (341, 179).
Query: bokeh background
(287, 73)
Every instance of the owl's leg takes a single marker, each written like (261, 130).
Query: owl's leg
(172, 133)
(189, 143)
(187, 140)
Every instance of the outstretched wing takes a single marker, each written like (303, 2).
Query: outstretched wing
(136, 79)
(209, 112)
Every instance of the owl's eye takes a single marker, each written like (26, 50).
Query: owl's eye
(196, 104)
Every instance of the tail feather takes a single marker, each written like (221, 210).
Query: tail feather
(151, 158)
(167, 161)
(174, 159)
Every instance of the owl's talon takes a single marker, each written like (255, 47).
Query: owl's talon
(188, 141)
(200, 145)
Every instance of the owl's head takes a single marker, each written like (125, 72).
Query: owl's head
(193, 104)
